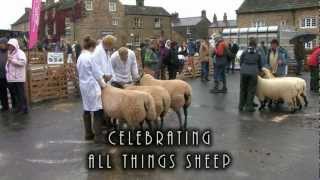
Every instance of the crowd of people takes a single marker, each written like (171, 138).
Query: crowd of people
(98, 62)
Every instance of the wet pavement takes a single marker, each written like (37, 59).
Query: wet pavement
(48, 143)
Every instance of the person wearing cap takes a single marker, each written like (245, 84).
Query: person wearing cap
(251, 65)
(173, 65)
(3, 79)
(16, 75)
(221, 56)
(125, 67)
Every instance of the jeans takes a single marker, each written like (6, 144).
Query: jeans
(4, 94)
(18, 95)
(204, 70)
(220, 73)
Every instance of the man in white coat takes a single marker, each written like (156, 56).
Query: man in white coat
(125, 68)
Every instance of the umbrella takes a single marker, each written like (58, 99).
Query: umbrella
(307, 37)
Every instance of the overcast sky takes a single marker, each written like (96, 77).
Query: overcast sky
(11, 10)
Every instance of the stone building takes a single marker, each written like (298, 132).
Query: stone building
(217, 26)
(22, 24)
(145, 22)
(296, 14)
(191, 27)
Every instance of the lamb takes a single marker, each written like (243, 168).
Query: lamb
(302, 85)
(132, 107)
(180, 93)
(161, 98)
(276, 89)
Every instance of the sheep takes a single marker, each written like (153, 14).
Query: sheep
(180, 93)
(276, 89)
(131, 107)
(161, 98)
(302, 86)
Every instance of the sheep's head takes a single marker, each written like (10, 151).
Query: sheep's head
(266, 73)
(145, 77)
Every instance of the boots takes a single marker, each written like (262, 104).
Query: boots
(89, 136)
(98, 127)
(216, 88)
(224, 88)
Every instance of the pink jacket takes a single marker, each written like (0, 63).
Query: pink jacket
(16, 64)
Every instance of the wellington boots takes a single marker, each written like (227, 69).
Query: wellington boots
(89, 136)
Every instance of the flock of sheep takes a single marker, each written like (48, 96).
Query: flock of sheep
(291, 90)
(148, 102)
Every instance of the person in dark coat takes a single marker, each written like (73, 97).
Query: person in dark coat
(263, 51)
(251, 65)
(221, 56)
(234, 48)
(3, 79)
(77, 49)
(300, 55)
(173, 65)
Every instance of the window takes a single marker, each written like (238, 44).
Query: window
(138, 22)
(311, 44)
(115, 21)
(283, 23)
(258, 23)
(188, 31)
(112, 5)
(89, 5)
(157, 22)
(309, 22)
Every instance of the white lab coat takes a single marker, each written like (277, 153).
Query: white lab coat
(89, 86)
(103, 60)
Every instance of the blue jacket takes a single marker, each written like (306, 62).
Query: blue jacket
(282, 56)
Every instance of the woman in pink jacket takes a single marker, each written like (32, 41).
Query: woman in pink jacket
(16, 75)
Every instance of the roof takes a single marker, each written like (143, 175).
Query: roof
(252, 6)
(189, 21)
(221, 24)
(145, 10)
(24, 18)
(67, 4)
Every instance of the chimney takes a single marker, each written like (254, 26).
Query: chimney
(215, 19)
(203, 14)
(175, 17)
(140, 3)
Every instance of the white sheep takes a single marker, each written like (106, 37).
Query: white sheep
(276, 89)
(161, 98)
(180, 93)
(132, 107)
(301, 83)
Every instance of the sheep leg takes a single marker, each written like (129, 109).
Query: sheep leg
(305, 99)
(141, 125)
(262, 105)
(299, 102)
(179, 117)
(149, 124)
(115, 124)
(162, 119)
(185, 110)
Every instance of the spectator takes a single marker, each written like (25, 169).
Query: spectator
(164, 59)
(77, 49)
(277, 59)
(313, 63)
(263, 50)
(234, 48)
(173, 65)
(69, 53)
(251, 65)
(191, 48)
(204, 59)
(16, 75)
(151, 56)
(3, 80)
(300, 55)
(221, 56)
(182, 54)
